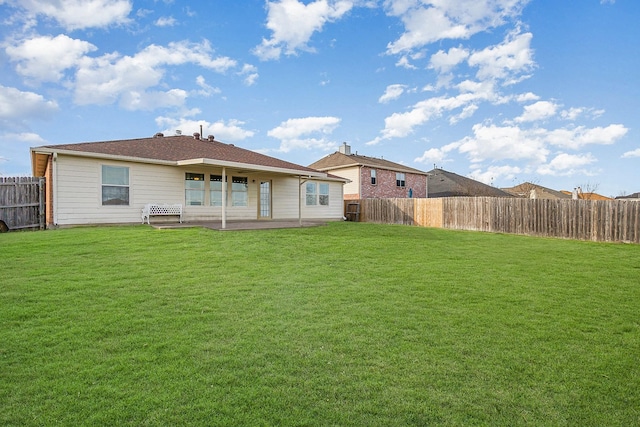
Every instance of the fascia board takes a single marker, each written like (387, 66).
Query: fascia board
(249, 166)
(46, 150)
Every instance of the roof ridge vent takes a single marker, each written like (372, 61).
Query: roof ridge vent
(211, 138)
(158, 135)
(196, 135)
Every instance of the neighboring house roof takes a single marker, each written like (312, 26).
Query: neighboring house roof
(524, 190)
(587, 196)
(340, 160)
(442, 183)
(179, 150)
(630, 196)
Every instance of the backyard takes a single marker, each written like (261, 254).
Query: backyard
(344, 324)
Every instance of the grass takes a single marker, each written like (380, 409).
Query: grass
(349, 324)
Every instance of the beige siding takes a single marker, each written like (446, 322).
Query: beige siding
(79, 190)
(352, 174)
(78, 194)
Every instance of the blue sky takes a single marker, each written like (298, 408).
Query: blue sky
(503, 91)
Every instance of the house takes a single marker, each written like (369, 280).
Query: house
(634, 196)
(111, 182)
(529, 190)
(578, 194)
(372, 177)
(442, 183)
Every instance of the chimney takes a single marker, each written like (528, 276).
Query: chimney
(345, 149)
(196, 135)
(210, 138)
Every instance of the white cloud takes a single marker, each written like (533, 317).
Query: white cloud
(540, 110)
(632, 154)
(112, 77)
(45, 58)
(16, 107)
(506, 142)
(150, 100)
(250, 74)
(293, 23)
(399, 125)
(166, 21)
(206, 89)
(24, 137)
(443, 61)
(578, 137)
(298, 133)
(392, 92)
(435, 155)
(506, 61)
(466, 112)
(428, 21)
(231, 130)
(495, 173)
(568, 164)
(572, 113)
(527, 97)
(404, 63)
(80, 14)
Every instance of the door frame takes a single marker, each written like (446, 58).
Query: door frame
(270, 206)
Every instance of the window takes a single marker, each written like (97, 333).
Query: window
(215, 190)
(194, 189)
(312, 195)
(373, 177)
(323, 197)
(400, 179)
(317, 198)
(115, 185)
(239, 191)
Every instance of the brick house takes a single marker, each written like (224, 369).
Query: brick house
(373, 177)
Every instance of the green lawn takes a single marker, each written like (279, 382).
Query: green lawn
(348, 324)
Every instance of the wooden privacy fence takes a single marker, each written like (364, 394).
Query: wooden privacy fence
(22, 202)
(597, 220)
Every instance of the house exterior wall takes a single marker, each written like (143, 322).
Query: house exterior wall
(351, 189)
(386, 187)
(79, 189)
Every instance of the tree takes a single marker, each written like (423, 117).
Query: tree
(587, 191)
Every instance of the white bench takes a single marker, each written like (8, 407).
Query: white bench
(155, 209)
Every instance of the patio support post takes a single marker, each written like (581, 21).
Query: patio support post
(224, 198)
(300, 200)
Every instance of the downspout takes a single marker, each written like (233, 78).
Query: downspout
(426, 195)
(224, 198)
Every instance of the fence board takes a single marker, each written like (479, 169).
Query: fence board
(22, 202)
(597, 220)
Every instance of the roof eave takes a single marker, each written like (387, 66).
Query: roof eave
(49, 150)
(252, 167)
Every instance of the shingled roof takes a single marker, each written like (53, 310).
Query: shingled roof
(524, 190)
(340, 160)
(442, 183)
(177, 150)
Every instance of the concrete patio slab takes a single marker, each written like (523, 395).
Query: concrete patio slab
(242, 225)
